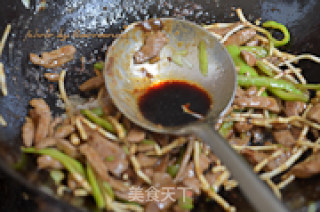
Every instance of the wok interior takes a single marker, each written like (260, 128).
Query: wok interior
(126, 82)
(301, 17)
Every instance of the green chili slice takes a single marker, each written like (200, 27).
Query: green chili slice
(99, 121)
(203, 58)
(282, 28)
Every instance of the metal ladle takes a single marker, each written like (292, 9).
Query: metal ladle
(126, 81)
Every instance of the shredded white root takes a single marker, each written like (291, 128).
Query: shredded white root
(3, 121)
(256, 148)
(204, 183)
(257, 28)
(264, 162)
(297, 72)
(3, 83)
(274, 187)
(63, 92)
(284, 120)
(217, 25)
(246, 115)
(286, 182)
(74, 139)
(279, 71)
(218, 168)
(295, 59)
(174, 144)
(120, 207)
(283, 167)
(224, 176)
(121, 132)
(231, 32)
(4, 37)
(137, 167)
(80, 128)
(230, 184)
(99, 129)
(80, 192)
(82, 181)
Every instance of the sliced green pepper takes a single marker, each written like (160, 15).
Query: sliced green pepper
(186, 203)
(99, 65)
(203, 58)
(258, 51)
(97, 111)
(264, 68)
(282, 28)
(69, 163)
(225, 128)
(96, 192)
(99, 121)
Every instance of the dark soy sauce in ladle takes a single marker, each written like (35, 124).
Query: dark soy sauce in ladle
(174, 103)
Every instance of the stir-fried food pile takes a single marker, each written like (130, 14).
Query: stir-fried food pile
(93, 150)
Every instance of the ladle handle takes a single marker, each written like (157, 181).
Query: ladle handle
(258, 194)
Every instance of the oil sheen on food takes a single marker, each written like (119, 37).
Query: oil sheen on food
(162, 102)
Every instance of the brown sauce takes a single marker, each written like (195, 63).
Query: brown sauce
(162, 103)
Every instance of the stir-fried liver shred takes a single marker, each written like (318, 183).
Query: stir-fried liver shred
(154, 42)
(54, 58)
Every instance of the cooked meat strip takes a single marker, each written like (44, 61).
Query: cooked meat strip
(255, 157)
(204, 162)
(241, 37)
(105, 149)
(279, 126)
(67, 147)
(42, 111)
(64, 131)
(189, 171)
(92, 83)
(308, 167)
(100, 167)
(145, 147)
(294, 108)
(223, 30)
(185, 160)
(240, 141)
(253, 42)
(193, 183)
(72, 184)
(314, 113)
(136, 135)
(248, 57)
(47, 162)
(284, 137)
(240, 92)
(28, 132)
(260, 102)
(152, 207)
(146, 161)
(258, 135)
(52, 77)
(46, 142)
(56, 121)
(295, 131)
(163, 164)
(252, 91)
(241, 127)
(148, 171)
(177, 208)
(54, 58)
(161, 179)
(154, 42)
(211, 177)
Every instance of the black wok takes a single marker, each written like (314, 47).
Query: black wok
(20, 192)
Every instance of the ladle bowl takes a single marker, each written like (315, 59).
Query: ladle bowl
(127, 81)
